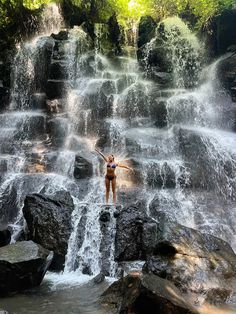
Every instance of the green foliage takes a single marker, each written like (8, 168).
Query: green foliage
(14, 12)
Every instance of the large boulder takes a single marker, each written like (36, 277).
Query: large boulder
(48, 220)
(116, 34)
(8, 203)
(162, 57)
(5, 237)
(83, 168)
(227, 73)
(145, 293)
(22, 266)
(193, 261)
(219, 32)
(201, 150)
(146, 30)
(129, 233)
(4, 97)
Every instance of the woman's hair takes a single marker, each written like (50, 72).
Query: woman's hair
(113, 158)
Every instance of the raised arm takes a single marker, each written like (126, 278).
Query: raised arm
(124, 166)
(101, 154)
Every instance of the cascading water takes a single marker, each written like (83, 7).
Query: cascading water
(107, 101)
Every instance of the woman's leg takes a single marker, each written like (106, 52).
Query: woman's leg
(114, 190)
(107, 182)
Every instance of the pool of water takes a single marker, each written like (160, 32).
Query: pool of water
(59, 294)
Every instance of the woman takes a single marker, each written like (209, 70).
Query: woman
(110, 177)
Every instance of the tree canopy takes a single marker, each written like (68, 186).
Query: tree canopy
(17, 16)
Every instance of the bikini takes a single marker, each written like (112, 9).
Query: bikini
(108, 176)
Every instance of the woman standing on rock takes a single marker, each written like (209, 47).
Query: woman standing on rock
(110, 177)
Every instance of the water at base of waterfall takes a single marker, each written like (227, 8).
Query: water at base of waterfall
(59, 294)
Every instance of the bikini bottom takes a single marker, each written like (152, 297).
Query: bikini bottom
(110, 177)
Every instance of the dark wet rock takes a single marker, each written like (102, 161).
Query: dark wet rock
(105, 216)
(57, 88)
(99, 278)
(58, 129)
(158, 174)
(116, 214)
(136, 102)
(129, 233)
(5, 237)
(4, 97)
(42, 62)
(86, 270)
(32, 126)
(8, 205)
(146, 30)
(58, 70)
(159, 113)
(99, 104)
(192, 143)
(22, 266)
(49, 221)
(39, 101)
(191, 260)
(106, 240)
(157, 56)
(163, 78)
(227, 74)
(62, 35)
(83, 168)
(219, 32)
(115, 34)
(146, 294)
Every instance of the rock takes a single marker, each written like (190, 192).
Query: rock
(62, 35)
(219, 32)
(231, 48)
(57, 88)
(193, 261)
(159, 113)
(4, 97)
(8, 204)
(202, 143)
(42, 63)
(146, 294)
(116, 214)
(5, 237)
(39, 101)
(105, 216)
(99, 278)
(129, 233)
(58, 129)
(157, 173)
(99, 104)
(82, 168)
(22, 266)
(49, 221)
(115, 34)
(158, 55)
(32, 127)
(227, 74)
(146, 30)
(58, 70)
(219, 296)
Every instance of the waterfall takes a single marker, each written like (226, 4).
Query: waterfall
(68, 96)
